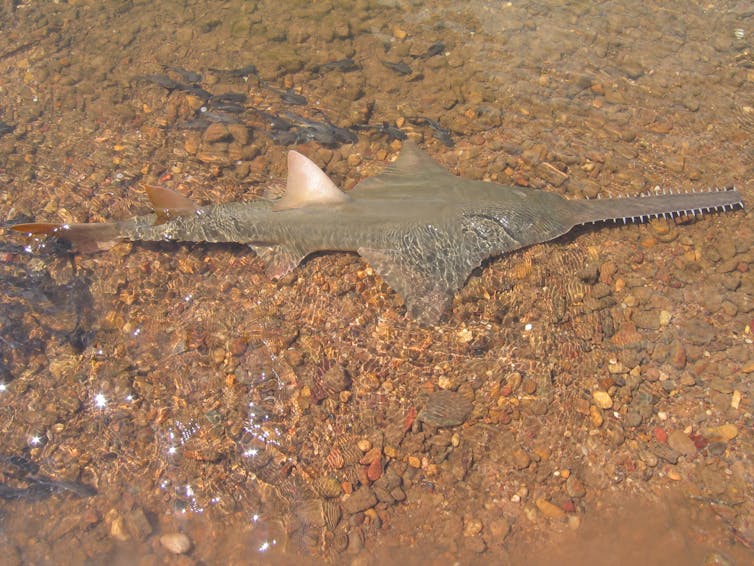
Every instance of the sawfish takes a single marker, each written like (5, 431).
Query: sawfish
(421, 228)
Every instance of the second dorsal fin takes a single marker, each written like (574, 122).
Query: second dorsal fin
(169, 204)
(307, 185)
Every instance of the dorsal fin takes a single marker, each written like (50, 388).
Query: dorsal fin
(412, 159)
(307, 185)
(169, 204)
(413, 167)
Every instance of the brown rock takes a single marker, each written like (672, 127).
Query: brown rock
(192, 142)
(374, 471)
(664, 452)
(575, 487)
(627, 335)
(549, 510)
(360, 500)
(722, 433)
(398, 494)
(499, 528)
(240, 133)
(595, 416)
(551, 174)
(646, 320)
(217, 132)
(472, 527)
(602, 399)
(520, 459)
(335, 380)
(677, 354)
(445, 408)
(335, 458)
(680, 442)
(138, 525)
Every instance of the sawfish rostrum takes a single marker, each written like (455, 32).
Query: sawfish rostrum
(421, 228)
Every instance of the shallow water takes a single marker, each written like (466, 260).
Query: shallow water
(279, 419)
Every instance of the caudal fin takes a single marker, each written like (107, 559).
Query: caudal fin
(94, 237)
(85, 237)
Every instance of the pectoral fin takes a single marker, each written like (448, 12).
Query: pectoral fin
(423, 290)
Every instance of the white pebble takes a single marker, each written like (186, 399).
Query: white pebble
(177, 543)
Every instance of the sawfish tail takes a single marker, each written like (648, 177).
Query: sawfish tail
(95, 237)
(638, 209)
(85, 237)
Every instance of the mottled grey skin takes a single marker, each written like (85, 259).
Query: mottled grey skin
(421, 228)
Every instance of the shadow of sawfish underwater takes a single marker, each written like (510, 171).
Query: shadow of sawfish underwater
(421, 228)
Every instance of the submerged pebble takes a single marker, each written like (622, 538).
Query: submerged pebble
(602, 399)
(724, 433)
(177, 543)
(360, 500)
(680, 442)
(445, 408)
